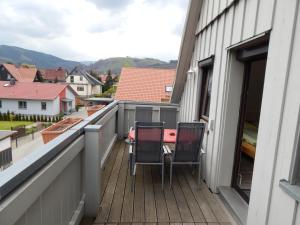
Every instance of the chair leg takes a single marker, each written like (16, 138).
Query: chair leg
(199, 174)
(162, 175)
(133, 178)
(171, 174)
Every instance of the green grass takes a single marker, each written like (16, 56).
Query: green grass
(6, 125)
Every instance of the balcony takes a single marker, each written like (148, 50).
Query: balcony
(82, 177)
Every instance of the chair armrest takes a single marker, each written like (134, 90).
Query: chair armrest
(167, 150)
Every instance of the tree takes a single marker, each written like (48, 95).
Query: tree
(8, 115)
(1, 117)
(109, 81)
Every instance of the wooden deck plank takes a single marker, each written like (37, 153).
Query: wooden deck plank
(191, 201)
(107, 169)
(199, 196)
(139, 196)
(127, 207)
(150, 208)
(173, 211)
(110, 189)
(160, 201)
(210, 198)
(181, 202)
(116, 208)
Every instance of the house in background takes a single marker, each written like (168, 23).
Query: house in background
(145, 84)
(53, 75)
(34, 98)
(238, 72)
(83, 83)
(22, 73)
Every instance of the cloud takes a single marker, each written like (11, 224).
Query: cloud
(90, 29)
(111, 4)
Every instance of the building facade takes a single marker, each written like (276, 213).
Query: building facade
(36, 98)
(83, 83)
(238, 72)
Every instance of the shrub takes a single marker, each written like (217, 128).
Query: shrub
(38, 118)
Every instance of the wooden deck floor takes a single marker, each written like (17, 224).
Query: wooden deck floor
(183, 204)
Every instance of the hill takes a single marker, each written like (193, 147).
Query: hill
(18, 55)
(116, 64)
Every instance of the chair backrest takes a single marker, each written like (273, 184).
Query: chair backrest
(143, 114)
(169, 116)
(148, 142)
(188, 142)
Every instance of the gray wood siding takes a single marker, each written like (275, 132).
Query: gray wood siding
(244, 20)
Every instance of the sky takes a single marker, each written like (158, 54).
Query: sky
(88, 30)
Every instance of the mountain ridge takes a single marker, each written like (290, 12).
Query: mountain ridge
(18, 56)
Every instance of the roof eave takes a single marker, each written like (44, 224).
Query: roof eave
(186, 48)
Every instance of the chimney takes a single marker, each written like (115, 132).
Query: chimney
(12, 81)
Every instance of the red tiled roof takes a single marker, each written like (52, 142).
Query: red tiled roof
(22, 74)
(145, 84)
(30, 90)
(52, 74)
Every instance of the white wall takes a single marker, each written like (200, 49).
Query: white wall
(70, 95)
(33, 107)
(5, 143)
(280, 104)
(88, 88)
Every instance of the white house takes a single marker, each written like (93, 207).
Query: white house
(83, 83)
(32, 98)
(238, 71)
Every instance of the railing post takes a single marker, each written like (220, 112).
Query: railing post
(121, 120)
(92, 169)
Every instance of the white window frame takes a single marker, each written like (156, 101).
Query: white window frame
(168, 88)
(22, 105)
(42, 106)
(80, 87)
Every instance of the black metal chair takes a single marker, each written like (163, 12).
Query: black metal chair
(188, 146)
(147, 148)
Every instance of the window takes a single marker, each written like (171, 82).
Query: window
(70, 104)
(80, 88)
(206, 85)
(22, 105)
(72, 79)
(296, 169)
(0, 103)
(81, 78)
(169, 88)
(43, 105)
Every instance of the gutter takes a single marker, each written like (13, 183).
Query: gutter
(186, 49)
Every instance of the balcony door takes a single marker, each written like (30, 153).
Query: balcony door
(248, 126)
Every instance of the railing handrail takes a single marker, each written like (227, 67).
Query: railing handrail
(149, 103)
(18, 173)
